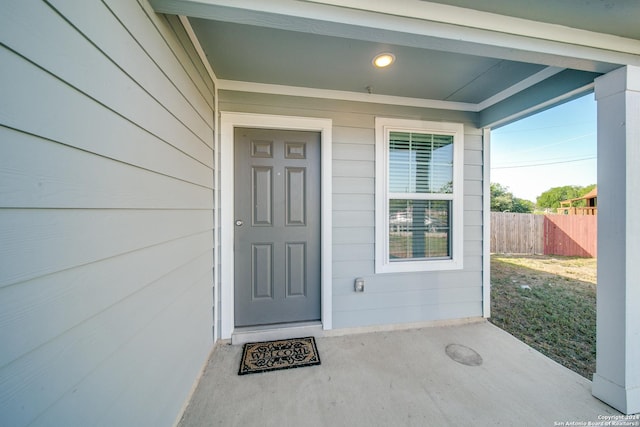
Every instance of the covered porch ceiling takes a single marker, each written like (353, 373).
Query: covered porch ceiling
(501, 59)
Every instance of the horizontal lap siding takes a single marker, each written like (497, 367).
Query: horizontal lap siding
(106, 214)
(388, 298)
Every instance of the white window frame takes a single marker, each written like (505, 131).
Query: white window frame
(383, 127)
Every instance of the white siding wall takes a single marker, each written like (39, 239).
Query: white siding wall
(106, 214)
(389, 298)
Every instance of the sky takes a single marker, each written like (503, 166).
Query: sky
(554, 148)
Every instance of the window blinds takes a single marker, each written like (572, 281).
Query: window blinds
(420, 163)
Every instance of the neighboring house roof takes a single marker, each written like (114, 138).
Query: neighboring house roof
(590, 195)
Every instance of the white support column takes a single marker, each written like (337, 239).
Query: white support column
(617, 377)
(486, 223)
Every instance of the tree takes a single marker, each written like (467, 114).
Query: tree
(522, 205)
(502, 200)
(552, 197)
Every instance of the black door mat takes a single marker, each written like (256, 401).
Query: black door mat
(280, 354)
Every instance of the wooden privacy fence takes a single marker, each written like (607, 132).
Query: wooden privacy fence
(571, 235)
(515, 233)
(568, 235)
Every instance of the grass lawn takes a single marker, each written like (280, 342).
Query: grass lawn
(550, 304)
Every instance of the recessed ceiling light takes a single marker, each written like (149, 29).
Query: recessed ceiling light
(383, 60)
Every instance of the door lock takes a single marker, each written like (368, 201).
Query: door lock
(239, 222)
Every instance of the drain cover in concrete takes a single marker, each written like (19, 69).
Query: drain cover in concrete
(463, 354)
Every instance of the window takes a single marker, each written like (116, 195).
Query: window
(419, 213)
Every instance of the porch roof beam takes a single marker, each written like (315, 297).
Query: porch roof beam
(448, 30)
(559, 88)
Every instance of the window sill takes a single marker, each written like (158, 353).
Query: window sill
(418, 266)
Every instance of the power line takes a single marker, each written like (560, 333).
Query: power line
(545, 164)
(524, 161)
(502, 132)
(564, 141)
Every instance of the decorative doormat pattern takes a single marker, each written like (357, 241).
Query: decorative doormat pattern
(281, 354)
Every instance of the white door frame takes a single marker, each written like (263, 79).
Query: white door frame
(229, 121)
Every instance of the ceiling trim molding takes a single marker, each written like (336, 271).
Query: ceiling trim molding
(196, 44)
(340, 95)
(274, 89)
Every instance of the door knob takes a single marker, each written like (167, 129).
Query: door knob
(239, 222)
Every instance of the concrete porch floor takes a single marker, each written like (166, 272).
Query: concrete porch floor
(399, 378)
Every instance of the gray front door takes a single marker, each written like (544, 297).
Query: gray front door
(277, 227)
